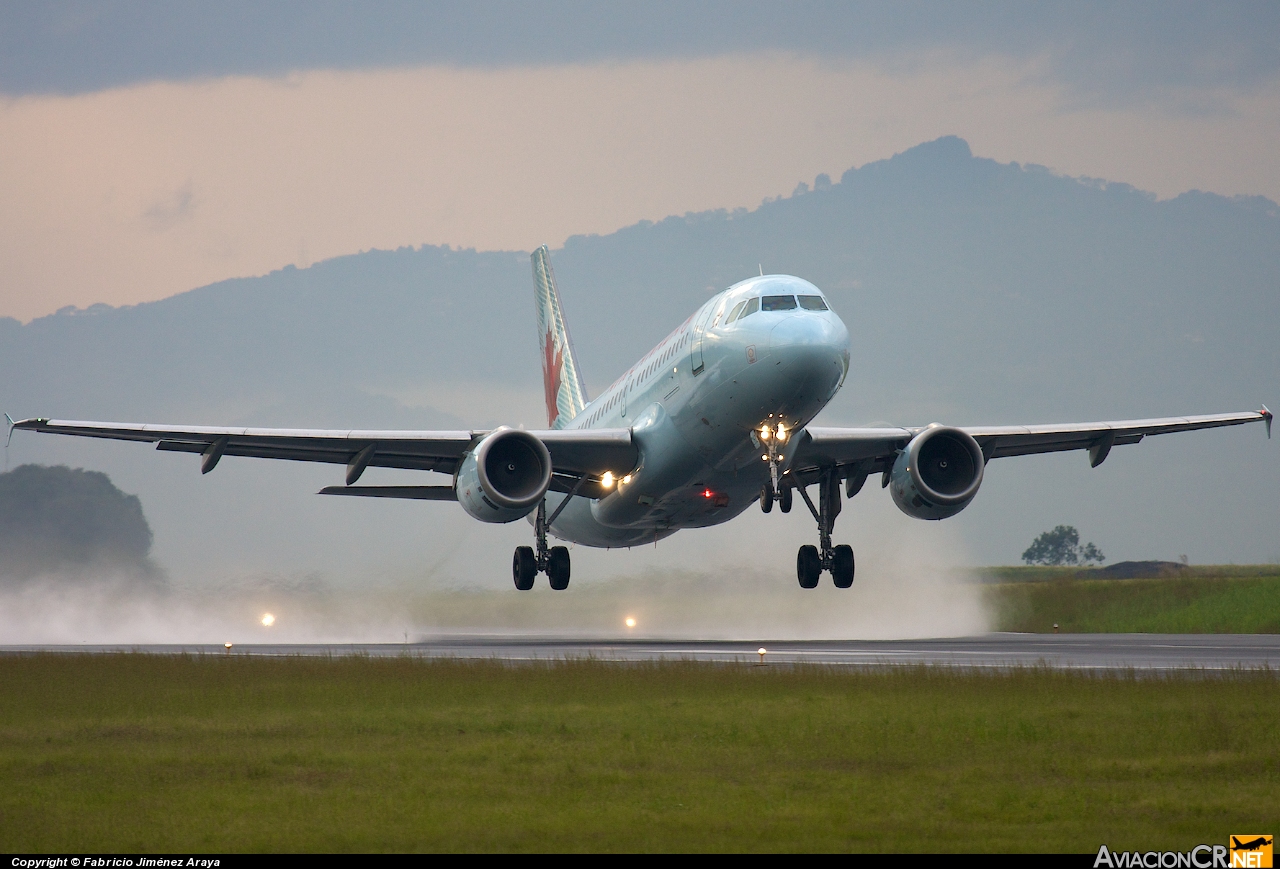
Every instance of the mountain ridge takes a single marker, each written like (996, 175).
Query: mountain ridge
(976, 292)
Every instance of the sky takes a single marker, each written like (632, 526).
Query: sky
(148, 148)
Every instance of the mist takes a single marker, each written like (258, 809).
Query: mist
(912, 582)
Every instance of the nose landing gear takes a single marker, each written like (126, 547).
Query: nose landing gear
(774, 490)
(767, 498)
(554, 561)
(811, 561)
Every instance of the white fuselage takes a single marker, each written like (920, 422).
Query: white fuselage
(695, 404)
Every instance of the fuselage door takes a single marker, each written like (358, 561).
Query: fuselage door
(699, 329)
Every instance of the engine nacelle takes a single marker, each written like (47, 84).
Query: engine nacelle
(938, 473)
(504, 477)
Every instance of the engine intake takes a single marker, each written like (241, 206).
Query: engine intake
(504, 477)
(938, 473)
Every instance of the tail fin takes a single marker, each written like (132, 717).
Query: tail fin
(565, 394)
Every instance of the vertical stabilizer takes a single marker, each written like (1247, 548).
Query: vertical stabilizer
(565, 394)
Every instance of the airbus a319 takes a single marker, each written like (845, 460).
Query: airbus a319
(713, 419)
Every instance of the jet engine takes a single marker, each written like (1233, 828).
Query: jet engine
(938, 473)
(504, 477)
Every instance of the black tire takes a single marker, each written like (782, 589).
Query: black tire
(766, 499)
(784, 500)
(558, 567)
(524, 568)
(842, 566)
(808, 566)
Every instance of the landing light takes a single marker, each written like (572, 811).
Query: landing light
(268, 620)
(765, 434)
(607, 480)
(626, 480)
(782, 432)
(630, 621)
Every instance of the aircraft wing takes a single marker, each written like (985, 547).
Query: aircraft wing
(574, 453)
(865, 450)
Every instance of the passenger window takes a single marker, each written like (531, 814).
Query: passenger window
(813, 303)
(733, 315)
(778, 303)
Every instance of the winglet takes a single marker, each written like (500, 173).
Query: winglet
(8, 420)
(1266, 415)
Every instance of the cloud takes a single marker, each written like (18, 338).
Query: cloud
(170, 209)
(1117, 53)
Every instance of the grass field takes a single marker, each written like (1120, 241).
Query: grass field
(1207, 600)
(148, 753)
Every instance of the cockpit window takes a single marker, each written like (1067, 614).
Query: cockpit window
(777, 303)
(753, 305)
(813, 303)
(733, 315)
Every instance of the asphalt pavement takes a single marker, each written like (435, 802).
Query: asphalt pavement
(1099, 652)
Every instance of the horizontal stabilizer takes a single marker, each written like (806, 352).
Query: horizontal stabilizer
(420, 493)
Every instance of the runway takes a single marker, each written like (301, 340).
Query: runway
(1094, 652)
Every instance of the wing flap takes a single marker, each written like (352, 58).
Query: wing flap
(577, 452)
(838, 446)
(1002, 441)
(591, 451)
(417, 493)
(337, 455)
(870, 449)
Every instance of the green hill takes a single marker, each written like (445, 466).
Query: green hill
(54, 518)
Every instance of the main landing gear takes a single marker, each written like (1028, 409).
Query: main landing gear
(554, 561)
(811, 561)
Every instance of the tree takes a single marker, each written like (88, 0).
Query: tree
(1060, 547)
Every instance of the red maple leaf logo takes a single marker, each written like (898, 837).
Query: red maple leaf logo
(552, 359)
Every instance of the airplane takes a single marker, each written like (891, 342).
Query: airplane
(715, 418)
(1252, 845)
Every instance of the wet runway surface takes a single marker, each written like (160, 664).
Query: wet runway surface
(1145, 652)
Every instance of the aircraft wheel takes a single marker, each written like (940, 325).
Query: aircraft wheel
(808, 567)
(842, 566)
(524, 568)
(558, 567)
(766, 499)
(784, 499)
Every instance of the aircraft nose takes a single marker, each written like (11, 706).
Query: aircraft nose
(819, 337)
(813, 348)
